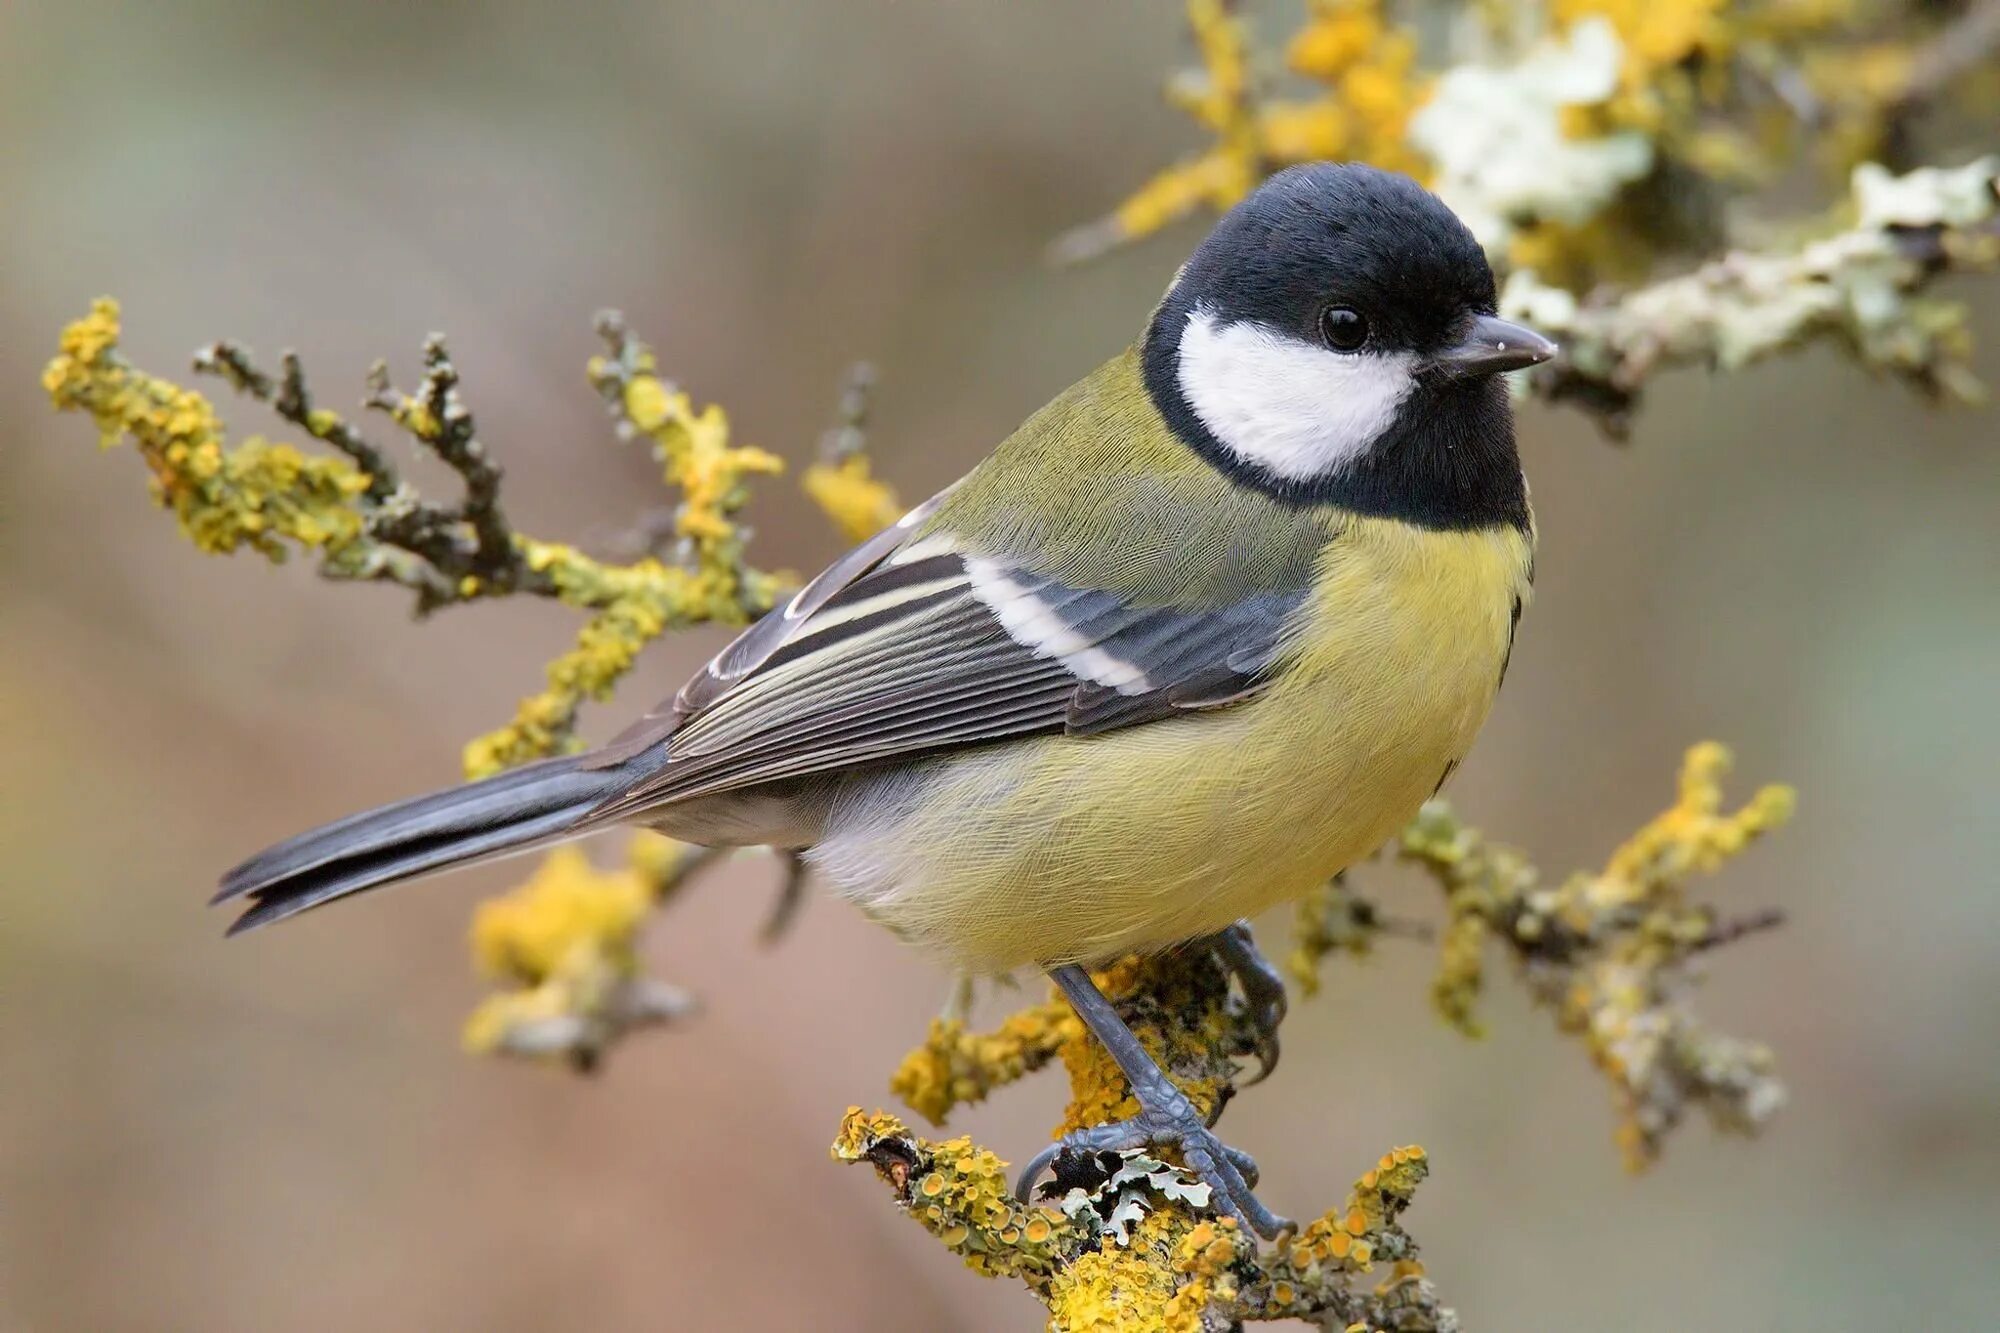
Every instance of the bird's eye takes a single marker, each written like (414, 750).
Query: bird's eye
(1344, 329)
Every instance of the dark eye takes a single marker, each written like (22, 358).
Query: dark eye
(1343, 329)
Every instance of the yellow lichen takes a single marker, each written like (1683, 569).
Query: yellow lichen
(567, 904)
(1692, 835)
(1609, 952)
(1185, 1025)
(961, 1194)
(1128, 1288)
(848, 491)
(1371, 88)
(563, 948)
(256, 494)
(955, 1067)
(634, 604)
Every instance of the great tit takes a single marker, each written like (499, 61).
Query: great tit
(1208, 628)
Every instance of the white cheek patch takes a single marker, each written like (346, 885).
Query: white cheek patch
(1293, 407)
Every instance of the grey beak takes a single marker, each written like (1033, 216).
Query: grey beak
(1493, 345)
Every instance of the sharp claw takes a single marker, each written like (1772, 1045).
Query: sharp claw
(1263, 993)
(1266, 1052)
(1024, 1184)
(1166, 1116)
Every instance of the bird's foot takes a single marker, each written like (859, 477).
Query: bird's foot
(1263, 992)
(1168, 1119)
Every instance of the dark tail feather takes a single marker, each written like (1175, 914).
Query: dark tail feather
(511, 812)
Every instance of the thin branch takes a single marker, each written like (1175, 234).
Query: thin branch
(1969, 42)
(1862, 287)
(438, 417)
(291, 400)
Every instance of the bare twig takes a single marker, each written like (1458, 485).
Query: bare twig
(848, 435)
(1967, 43)
(1736, 928)
(438, 417)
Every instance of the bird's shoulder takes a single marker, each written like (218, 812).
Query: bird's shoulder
(1096, 490)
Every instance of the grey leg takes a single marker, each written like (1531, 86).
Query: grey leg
(1263, 990)
(1166, 1116)
(790, 896)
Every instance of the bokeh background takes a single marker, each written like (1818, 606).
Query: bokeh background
(281, 1133)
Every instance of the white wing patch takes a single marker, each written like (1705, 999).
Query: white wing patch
(1036, 625)
(1297, 409)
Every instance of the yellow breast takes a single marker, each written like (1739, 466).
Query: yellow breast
(1078, 849)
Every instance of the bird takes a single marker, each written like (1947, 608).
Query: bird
(1205, 630)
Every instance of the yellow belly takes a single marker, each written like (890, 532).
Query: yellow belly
(1078, 849)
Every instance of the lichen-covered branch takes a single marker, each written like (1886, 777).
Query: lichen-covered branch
(1590, 140)
(1862, 286)
(362, 521)
(1613, 954)
(842, 481)
(563, 947)
(1117, 1243)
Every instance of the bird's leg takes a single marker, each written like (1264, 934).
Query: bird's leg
(1263, 990)
(1166, 1116)
(791, 894)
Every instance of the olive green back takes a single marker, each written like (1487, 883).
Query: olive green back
(1097, 491)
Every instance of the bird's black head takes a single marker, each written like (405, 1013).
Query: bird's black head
(1334, 341)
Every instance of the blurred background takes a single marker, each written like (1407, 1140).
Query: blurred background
(282, 1133)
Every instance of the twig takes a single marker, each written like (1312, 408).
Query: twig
(1736, 928)
(848, 435)
(1862, 286)
(291, 400)
(1962, 46)
(438, 417)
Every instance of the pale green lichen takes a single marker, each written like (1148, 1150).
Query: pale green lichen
(1587, 141)
(1860, 287)
(1504, 155)
(1615, 954)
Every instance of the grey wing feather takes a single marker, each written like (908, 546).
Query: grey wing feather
(750, 649)
(906, 648)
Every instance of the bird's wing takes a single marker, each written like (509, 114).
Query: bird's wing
(914, 643)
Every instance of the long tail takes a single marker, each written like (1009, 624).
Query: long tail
(521, 808)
